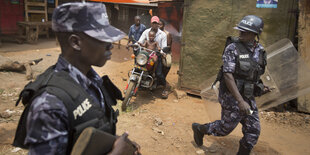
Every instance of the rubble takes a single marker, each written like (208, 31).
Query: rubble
(200, 151)
(179, 94)
(7, 114)
(154, 138)
(212, 150)
(9, 111)
(286, 118)
(158, 131)
(307, 119)
(16, 149)
(158, 121)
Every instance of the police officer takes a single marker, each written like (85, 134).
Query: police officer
(70, 96)
(244, 61)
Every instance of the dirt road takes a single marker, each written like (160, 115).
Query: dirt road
(159, 126)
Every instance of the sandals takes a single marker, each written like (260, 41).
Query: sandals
(165, 94)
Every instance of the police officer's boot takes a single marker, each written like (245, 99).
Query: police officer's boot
(199, 132)
(243, 151)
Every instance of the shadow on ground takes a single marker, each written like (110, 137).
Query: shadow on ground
(229, 145)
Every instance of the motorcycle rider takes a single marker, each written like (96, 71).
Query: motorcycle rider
(244, 61)
(161, 38)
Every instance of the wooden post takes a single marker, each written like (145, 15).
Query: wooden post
(26, 10)
(304, 47)
(45, 9)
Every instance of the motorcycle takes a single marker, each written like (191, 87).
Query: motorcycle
(143, 73)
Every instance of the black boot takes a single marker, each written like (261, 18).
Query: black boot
(198, 134)
(243, 151)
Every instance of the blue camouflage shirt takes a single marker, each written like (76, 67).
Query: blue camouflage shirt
(230, 54)
(47, 121)
(229, 64)
(136, 32)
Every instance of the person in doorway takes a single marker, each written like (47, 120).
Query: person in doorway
(244, 61)
(169, 43)
(162, 27)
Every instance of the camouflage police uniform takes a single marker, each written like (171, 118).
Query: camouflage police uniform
(231, 115)
(47, 121)
(47, 126)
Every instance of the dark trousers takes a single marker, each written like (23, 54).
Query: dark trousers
(231, 117)
(161, 72)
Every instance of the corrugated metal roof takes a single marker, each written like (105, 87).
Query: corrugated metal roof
(141, 4)
(123, 1)
(129, 2)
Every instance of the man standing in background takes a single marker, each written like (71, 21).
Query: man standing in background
(135, 31)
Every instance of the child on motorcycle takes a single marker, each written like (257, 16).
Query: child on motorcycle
(151, 44)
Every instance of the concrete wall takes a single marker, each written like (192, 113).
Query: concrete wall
(304, 46)
(207, 23)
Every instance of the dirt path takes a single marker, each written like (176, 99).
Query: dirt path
(282, 133)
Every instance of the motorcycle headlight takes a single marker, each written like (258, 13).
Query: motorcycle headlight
(141, 59)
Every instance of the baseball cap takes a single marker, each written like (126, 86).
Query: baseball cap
(90, 18)
(155, 19)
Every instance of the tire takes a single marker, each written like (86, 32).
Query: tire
(128, 95)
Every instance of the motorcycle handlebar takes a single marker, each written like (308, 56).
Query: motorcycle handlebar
(136, 45)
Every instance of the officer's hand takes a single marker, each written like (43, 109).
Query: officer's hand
(127, 47)
(121, 146)
(137, 147)
(244, 107)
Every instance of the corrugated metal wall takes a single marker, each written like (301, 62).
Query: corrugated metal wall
(10, 13)
(304, 46)
(207, 23)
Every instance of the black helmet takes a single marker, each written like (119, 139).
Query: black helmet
(251, 23)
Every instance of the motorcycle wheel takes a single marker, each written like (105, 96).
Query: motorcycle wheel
(128, 95)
